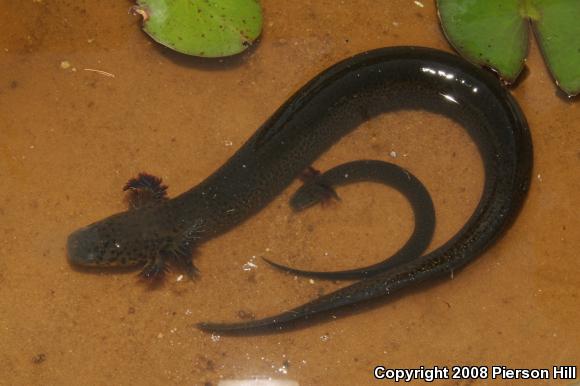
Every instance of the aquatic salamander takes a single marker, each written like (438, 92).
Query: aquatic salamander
(311, 121)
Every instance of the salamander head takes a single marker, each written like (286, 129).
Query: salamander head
(107, 243)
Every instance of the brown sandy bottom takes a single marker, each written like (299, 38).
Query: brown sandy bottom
(70, 138)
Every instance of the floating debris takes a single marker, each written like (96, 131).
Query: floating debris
(39, 358)
(100, 72)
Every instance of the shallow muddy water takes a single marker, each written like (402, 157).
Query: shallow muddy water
(70, 137)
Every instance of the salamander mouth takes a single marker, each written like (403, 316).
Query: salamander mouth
(81, 248)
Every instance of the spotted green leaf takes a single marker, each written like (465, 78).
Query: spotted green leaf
(209, 28)
(557, 29)
(494, 33)
(487, 32)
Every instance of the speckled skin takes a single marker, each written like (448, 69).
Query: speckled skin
(320, 113)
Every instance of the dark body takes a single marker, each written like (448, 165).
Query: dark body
(322, 186)
(320, 113)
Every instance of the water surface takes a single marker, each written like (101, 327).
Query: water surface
(70, 137)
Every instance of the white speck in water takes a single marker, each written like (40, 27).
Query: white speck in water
(539, 177)
(311, 281)
(159, 336)
(283, 370)
(65, 64)
(346, 175)
(227, 142)
(117, 245)
(419, 4)
(324, 338)
(179, 278)
(215, 337)
(393, 154)
(250, 265)
(396, 24)
(188, 312)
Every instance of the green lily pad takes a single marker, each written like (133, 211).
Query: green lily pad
(494, 33)
(490, 33)
(558, 32)
(209, 28)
